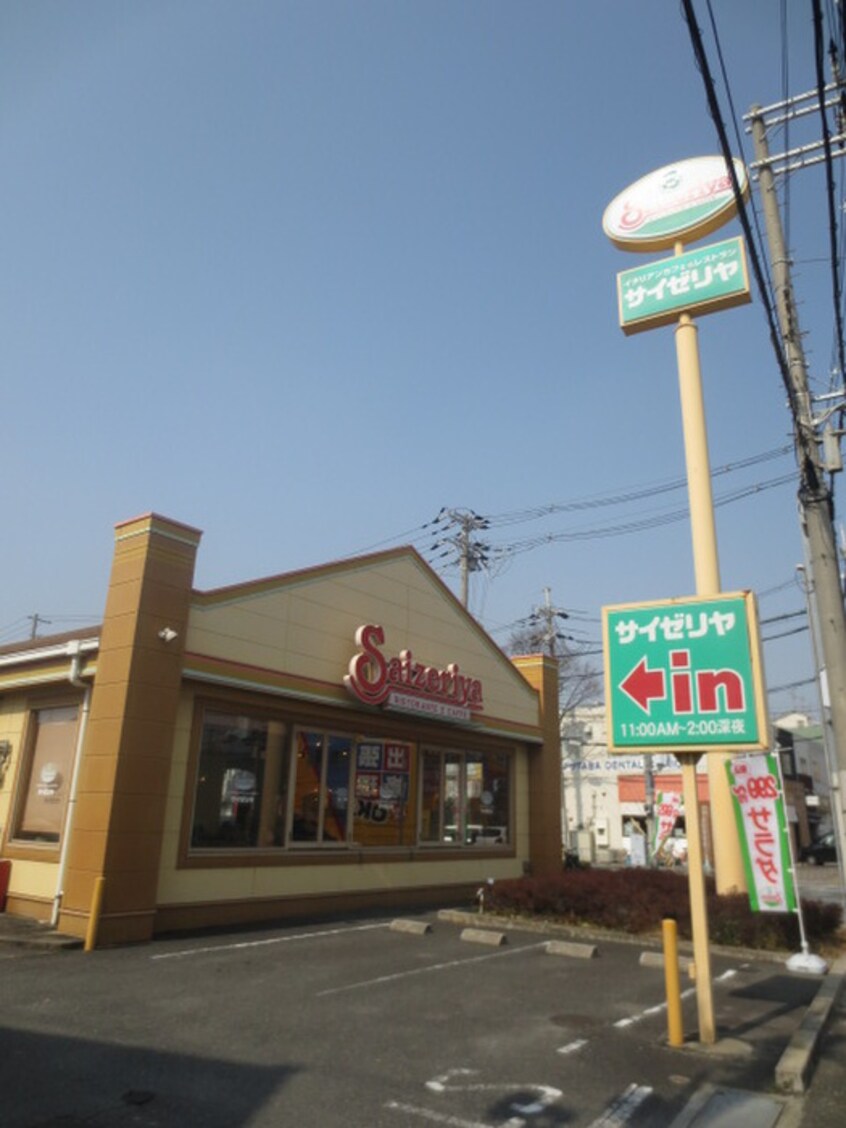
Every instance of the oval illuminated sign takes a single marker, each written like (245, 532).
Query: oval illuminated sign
(679, 202)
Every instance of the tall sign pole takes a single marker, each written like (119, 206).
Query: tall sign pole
(682, 202)
(707, 573)
(728, 861)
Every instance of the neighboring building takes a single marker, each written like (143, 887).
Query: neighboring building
(604, 794)
(331, 739)
(807, 781)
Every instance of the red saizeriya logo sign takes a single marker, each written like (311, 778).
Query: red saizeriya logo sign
(402, 683)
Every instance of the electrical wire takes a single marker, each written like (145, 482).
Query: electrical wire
(829, 176)
(804, 442)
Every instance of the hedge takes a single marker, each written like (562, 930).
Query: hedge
(637, 900)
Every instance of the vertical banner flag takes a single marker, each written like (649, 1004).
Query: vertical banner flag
(667, 807)
(755, 782)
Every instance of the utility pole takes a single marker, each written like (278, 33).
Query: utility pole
(35, 620)
(545, 617)
(472, 553)
(815, 497)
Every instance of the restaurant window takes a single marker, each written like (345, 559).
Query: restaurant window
(46, 783)
(242, 774)
(322, 773)
(465, 798)
(383, 814)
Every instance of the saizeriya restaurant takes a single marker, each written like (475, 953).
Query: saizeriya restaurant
(337, 738)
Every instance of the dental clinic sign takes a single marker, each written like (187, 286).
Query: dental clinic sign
(399, 682)
(684, 675)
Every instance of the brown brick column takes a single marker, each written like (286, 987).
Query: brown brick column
(117, 826)
(545, 842)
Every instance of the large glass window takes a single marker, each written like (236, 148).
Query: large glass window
(242, 775)
(262, 783)
(465, 798)
(383, 814)
(46, 783)
(321, 788)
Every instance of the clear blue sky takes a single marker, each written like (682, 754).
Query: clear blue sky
(302, 273)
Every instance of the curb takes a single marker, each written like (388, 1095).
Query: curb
(796, 1063)
(592, 935)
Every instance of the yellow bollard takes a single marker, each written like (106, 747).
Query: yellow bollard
(94, 915)
(675, 1028)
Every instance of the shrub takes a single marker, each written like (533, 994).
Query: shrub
(637, 900)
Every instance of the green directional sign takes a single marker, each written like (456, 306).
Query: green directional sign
(699, 281)
(684, 675)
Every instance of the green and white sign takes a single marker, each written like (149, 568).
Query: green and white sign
(701, 281)
(684, 675)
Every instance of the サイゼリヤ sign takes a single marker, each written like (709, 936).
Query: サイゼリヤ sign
(684, 674)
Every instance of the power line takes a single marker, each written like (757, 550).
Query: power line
(829, 176)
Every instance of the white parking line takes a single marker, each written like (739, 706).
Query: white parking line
(632, 1019)
(572, 1047)
(435, 1117)
(620, 1111)
(267, 941)
(458, 1081)
(426, 970)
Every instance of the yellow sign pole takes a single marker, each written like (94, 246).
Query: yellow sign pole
(707, 573)
(728, 863)
(698, 903)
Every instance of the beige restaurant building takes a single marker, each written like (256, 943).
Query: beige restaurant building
(332, 739)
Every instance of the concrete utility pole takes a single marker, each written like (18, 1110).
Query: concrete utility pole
(36, 621)
(547, 616)
(815, 497)
(472, 553)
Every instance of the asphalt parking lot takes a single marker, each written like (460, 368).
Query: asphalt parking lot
(354, 1023)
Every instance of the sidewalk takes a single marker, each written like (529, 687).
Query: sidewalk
(22, 933)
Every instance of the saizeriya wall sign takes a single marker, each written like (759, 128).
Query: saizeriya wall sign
(399, 682)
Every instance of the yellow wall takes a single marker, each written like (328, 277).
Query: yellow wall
(306, 625)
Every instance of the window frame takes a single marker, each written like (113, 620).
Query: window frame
(30, 848)
(327, 734)
(208, 708)
(462, 841)
(297, 716)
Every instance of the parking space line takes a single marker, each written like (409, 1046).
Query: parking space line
(435, 1117)
(267, 941)
(620, 1111)
(503, 954)
(572, 1047)
(633, 1018)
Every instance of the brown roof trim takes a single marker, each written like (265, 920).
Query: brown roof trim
(44, 642)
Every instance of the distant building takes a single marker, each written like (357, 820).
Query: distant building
(604, 794)
(806, 776)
